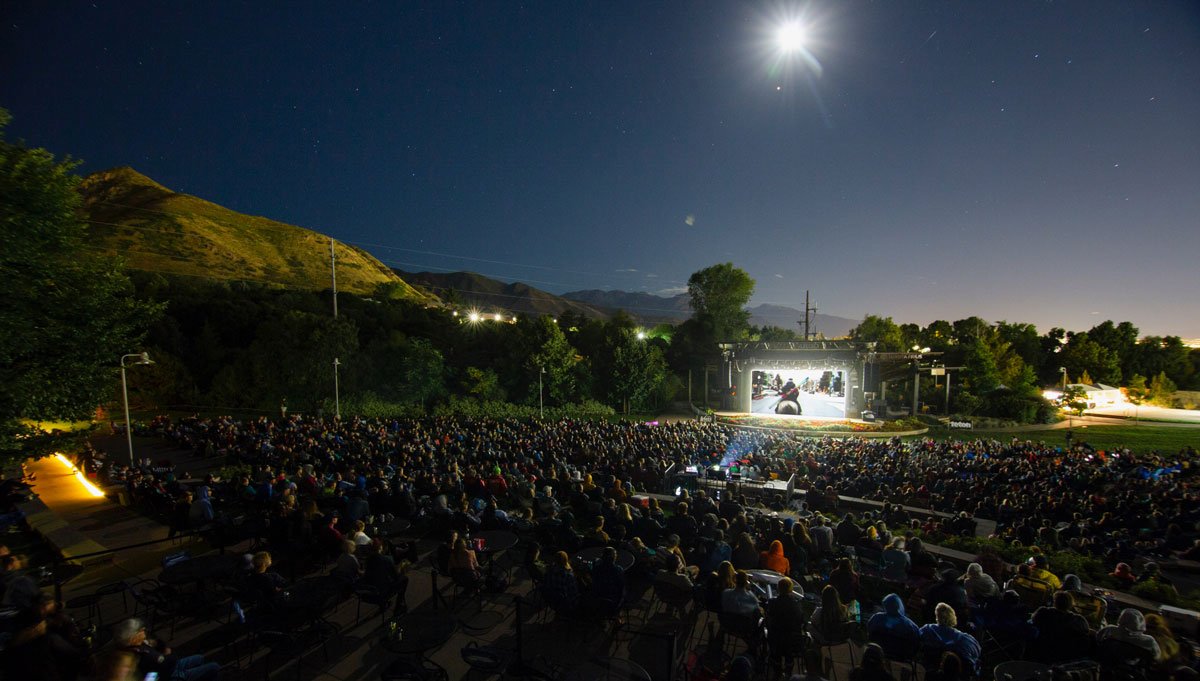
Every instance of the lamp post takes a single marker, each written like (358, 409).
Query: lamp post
(541, 408)
(337, 402)
(142, 358)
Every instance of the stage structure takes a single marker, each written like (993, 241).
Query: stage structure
(835, 379)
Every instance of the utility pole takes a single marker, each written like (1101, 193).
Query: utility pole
(541, 407)
(808, 320)
(337, 402)
(333, 274)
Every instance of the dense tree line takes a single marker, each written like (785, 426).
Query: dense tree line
(247, 346)
(1007, 364)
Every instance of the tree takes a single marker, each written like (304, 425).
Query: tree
(638, 370)
(1081, 354)
(1136, 390)
(423, 371)
(981, 375)
(720, 293)
(971, 328)
(292, 356)
(68, 313)
(1074, 398)
(773, 333)
(1162, 390)
(880, 330)
(1121, 339)
(554, 357)
(483, 384)
(938, 336)
(1024, 340)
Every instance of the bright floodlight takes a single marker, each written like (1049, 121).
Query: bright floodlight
(790, 37)
(473, 316)
(641, 335)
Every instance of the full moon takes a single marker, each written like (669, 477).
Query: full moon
(790, 37)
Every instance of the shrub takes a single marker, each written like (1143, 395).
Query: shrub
(1154, 590)
(233, 472)
(493, 409)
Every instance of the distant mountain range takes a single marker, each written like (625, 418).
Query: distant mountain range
(651, 308)
(490, 295)
(156, 229)
(159, 230)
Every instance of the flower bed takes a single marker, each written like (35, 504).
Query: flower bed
(824, 426)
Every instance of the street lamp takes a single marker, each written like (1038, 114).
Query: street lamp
(142, 358)
(337, 402)
(541, 408)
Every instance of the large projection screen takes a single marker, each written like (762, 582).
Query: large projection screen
(812, 392)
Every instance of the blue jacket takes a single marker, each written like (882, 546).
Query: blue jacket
(893, 630)
(935, 637)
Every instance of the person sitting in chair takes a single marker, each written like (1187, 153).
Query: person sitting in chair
(463, 565)
(560, 587)
(892, 629)
(945, 636)
(1130, 628)
(154, 657)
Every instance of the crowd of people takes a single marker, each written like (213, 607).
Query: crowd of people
(1119, 506)
(318, 490)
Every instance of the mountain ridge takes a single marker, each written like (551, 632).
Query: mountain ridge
(156, 229)
(491, 295)
(677, 308)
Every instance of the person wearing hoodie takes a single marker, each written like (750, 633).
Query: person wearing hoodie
(892, 629)
(1130, 628)
(979, 585)
(201, 511)
(944, 636)
(773, 559)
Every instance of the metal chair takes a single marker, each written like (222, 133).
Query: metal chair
(92, 601)
(823, 643)
(372, 596)
(1123, 660)
(747, 628)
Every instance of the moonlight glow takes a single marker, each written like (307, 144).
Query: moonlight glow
(790, 37)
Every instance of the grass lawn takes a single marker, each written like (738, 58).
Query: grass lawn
(65, 426)
(1136, 438)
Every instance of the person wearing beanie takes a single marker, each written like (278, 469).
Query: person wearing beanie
(1124, 575)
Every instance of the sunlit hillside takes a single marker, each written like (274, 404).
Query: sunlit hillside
(156, 229)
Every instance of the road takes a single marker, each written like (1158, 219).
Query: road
(810, 405)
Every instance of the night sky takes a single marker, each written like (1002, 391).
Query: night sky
(1027, 161)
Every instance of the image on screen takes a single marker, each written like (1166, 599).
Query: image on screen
(808, 393)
